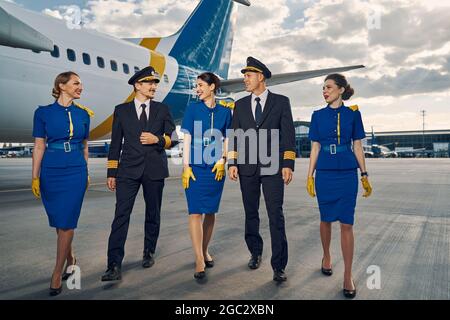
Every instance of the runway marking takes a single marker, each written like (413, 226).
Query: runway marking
(92, 184)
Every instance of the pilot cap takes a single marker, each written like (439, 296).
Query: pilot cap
(254, 65)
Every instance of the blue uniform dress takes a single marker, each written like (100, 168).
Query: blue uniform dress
(336, 170)
(208, 129)
(63, 176)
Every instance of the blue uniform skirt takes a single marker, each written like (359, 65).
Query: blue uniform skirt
(203, 195)
(62, 193)
(336, 193)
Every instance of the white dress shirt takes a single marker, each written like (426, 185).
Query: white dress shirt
(137, 104)
(263, 97)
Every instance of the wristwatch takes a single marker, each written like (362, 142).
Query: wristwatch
(364, 174)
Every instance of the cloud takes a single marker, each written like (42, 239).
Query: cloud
(407, 56)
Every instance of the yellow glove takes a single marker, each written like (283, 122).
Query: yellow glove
(35, 187)
(310, 186)
(88, 182)
(366, 186)
(187, 174)
(219, 168)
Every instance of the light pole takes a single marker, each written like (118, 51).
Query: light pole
(423, 130)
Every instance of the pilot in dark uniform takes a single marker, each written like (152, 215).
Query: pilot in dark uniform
(269, 117)
(141, 131)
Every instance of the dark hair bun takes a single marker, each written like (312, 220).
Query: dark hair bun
(341, 82)
(348, 92)
(210, 78)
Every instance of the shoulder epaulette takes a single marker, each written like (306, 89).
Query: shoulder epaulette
(227, 104)
(89, 111)
(354, 108)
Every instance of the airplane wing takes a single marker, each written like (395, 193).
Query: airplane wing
(17, 34)
(236, 85)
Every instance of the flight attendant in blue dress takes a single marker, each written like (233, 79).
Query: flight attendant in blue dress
(204, 156)
(59, 173)
(335, 162)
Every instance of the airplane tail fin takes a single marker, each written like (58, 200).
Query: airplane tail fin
(204, 41)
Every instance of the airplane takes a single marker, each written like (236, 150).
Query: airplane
(375, 150)
(35, 47)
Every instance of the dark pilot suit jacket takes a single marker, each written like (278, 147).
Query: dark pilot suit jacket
(135, 164)
(276, 115)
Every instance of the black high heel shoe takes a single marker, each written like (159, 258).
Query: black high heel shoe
(200, 275)
(66, 274)
(327, 272)
(350, 293)
(209, 264)
(55, 291)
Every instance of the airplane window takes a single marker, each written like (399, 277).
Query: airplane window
(166, 78)
(126, 68)
(71, 55)
(136, 69)
(86, 58)
(55, 52)
(113, 65)
(100, 62)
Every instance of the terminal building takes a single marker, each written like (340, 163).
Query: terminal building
(428, 143)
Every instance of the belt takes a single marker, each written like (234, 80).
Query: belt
(66, 146)
(335, 148)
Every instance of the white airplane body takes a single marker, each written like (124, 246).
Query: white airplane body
(27, 76)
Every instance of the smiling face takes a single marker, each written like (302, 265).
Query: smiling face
(72, 88)
(147, 89)
(253, 81)
(331, 91)
(204, 90)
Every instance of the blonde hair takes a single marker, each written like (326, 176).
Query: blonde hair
(61, 78)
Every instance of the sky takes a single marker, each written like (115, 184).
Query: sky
(405, 46)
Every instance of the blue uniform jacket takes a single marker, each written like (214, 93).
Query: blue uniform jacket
(218, 118)
(338, 127)
(52, 123)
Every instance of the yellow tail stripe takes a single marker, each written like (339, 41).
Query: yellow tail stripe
(150, 43)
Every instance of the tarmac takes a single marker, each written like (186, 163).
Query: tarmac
(402, 231)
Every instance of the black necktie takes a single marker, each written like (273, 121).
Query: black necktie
(258, 110)
(143, 117)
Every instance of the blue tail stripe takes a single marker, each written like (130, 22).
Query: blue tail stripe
(204, 42)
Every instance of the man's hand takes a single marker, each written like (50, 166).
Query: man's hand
(148, 138)
(111, 183)
(233, 173)
(287, 175)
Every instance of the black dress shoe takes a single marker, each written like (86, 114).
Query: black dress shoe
(209, 264)
(148, 259)
(200, 275)
(66, 274)
(279, 275)
(113, 273)
(254, 262)
(350, 293)
(327, 272)
(55, 291)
